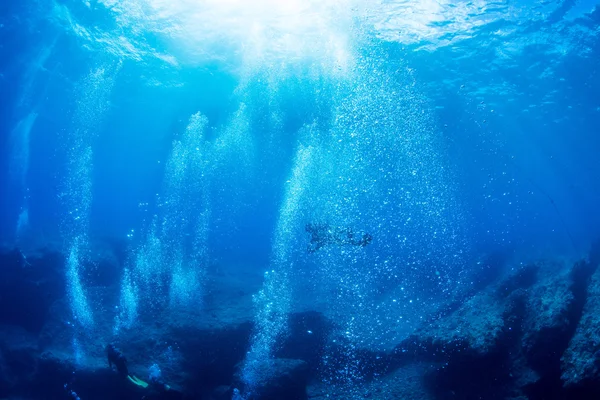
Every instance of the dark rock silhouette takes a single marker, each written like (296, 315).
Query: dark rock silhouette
(283, 379)
(531, 332)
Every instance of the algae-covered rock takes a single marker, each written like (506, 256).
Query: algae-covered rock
(483, 324)
(476, 327)
(405, 383)
(581, 360)
(550, 315)
(281, 378)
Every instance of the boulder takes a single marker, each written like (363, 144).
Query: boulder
(551, 315)
(281, 378)
(580, 362)
(481, 325)
(405, 383)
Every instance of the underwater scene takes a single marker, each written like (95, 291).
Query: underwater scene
(299, 199)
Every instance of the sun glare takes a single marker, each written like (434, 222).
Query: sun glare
(265, 32)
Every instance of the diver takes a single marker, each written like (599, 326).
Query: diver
(156, 388)
(118, 359)
(324, 234)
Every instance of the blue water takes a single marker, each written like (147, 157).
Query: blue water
(219, 129)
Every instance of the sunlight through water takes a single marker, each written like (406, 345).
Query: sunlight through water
(276, 34)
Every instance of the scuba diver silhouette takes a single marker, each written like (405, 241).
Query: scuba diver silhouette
(116, 358)
(157, 388)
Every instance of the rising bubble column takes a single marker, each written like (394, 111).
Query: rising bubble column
(273, 301)
(92, 95)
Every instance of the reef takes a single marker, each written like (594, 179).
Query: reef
(532, 332)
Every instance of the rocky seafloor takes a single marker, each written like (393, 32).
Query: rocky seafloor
(531, 332)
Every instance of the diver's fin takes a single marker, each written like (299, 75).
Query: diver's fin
(137, 381)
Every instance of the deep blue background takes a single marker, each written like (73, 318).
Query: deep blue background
(526, 172)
